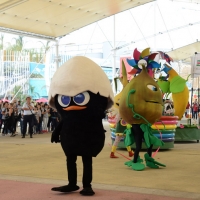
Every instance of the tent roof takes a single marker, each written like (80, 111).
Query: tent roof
(55, 18)
(184, 53)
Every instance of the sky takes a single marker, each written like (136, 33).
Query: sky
(160, 25)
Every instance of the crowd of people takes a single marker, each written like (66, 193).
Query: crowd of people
(194, 109)
(14, 114)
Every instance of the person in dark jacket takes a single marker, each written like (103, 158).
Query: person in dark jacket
(54, 119)
(11, 120)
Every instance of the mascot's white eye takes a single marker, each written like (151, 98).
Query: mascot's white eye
(82, 98)
(152, 87)
(64, 101)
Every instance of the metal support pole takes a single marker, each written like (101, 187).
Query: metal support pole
(198, 99)
(191, 103)
(114, 54)
(57, 58)
(179, 67)
(155, 47)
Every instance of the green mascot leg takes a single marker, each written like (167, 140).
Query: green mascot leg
(138, 166)
(150, 162)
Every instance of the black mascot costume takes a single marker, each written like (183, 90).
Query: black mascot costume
(81, 92)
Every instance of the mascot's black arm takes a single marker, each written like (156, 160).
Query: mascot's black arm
(55, 137)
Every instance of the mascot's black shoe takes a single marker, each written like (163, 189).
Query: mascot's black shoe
(65, 188)
(87, 192)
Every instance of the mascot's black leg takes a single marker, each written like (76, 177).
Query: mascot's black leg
(87, 176)
(138, 135)
(72, 176)
(149, 150)
(71, 169)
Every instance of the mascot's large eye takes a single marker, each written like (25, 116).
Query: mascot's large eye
(82, 98)
(64, 101)
(152, 87)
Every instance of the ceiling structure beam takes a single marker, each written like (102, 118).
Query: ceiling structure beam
(27, 34)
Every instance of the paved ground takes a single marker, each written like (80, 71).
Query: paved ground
(30, 167)
(10, 190)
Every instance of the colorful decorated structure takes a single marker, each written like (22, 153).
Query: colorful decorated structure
(177, 86)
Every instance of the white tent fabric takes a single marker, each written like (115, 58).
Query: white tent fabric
(161, 25)
(184, 53)
(55, 18)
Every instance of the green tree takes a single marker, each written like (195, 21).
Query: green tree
(35, 56)
(17, 90)
(19, 44)
(31, 89)
(45, 46)
(32, 92)
(34, 75)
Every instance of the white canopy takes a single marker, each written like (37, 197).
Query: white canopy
(49, 19)
(184, 53)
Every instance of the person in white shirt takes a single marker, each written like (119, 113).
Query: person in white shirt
(19, 107)
(28, 109)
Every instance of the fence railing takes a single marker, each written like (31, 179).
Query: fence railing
(14, 70)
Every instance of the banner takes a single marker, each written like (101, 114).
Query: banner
(195, 65)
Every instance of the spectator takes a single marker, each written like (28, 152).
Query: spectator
(195, 109)
(4, 118)
(15, 119)
(187, 109)
(49, 125)
(21, 121)
(0, 116)
(45, 117)
(54, 118)
(39, 117)
(28, 108)
(42, 114)
(19, 107)
(192, 111)
(11, 120)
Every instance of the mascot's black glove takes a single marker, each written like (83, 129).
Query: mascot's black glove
(55, 136)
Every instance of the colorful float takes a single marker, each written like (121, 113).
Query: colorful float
(174, 84)
(164, 130)
(187, 133)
